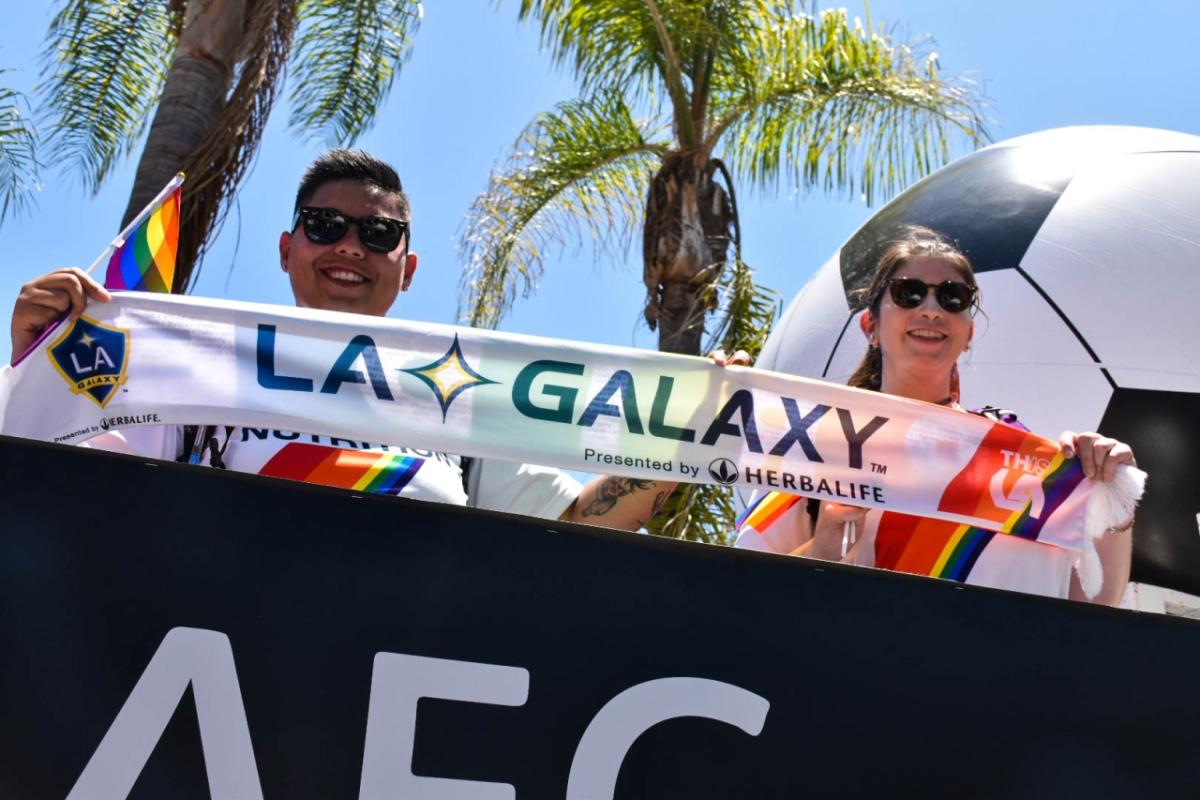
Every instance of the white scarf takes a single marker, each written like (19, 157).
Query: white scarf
(147, 359)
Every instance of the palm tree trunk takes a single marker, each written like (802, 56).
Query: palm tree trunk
(194, 93)
(685, 247)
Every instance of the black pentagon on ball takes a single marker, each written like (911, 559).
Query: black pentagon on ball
(977, 201)
(1162, 428)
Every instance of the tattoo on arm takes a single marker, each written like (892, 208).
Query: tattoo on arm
(610, 491)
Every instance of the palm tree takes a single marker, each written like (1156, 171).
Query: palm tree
(677, 97)
(747, 87)
(213, 69)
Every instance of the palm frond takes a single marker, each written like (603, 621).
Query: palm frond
(844, 107)
(746, 311)
(19, 165)
(697, 512)
(103, 68)
(577, 174)
(608, 44)
(346, 56)
(647, 48)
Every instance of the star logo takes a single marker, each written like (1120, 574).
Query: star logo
(449, 376)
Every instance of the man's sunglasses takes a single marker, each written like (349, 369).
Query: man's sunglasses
(328, 225)
(953, 296)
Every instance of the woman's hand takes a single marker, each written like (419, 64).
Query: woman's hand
(45, 299)
(829, 531)
(1099, 456)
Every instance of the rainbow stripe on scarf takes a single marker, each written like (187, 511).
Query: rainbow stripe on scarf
(928, 546)
(146, 262)
(361, 471)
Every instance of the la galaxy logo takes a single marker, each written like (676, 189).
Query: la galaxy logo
(447, 377)
(92, 358)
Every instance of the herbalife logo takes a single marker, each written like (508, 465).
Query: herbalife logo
(723, 471)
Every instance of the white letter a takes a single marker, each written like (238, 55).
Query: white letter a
(193, 656)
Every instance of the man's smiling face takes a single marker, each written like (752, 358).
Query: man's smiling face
(345, 275)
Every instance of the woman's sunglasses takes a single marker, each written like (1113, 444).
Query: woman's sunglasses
(953, 296)
(328, 225)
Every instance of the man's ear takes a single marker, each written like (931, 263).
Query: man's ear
(868, 322)
(410, 268)
(285, 247)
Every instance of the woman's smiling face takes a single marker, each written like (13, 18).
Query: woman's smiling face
(922, 342)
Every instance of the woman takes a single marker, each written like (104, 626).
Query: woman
(919, 320)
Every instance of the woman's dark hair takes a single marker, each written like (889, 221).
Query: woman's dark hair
(351, 165)
(917, 242)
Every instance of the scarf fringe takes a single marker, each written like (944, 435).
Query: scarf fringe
(1109, 504)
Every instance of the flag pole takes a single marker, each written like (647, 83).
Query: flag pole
(116, 243)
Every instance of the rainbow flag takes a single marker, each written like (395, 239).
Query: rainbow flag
(146, 261)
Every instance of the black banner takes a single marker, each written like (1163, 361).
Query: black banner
(193, 634)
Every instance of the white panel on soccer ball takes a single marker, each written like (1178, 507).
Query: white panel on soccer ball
(802, 339)
(1120, 255)
(1024, 358)
(1091, 141)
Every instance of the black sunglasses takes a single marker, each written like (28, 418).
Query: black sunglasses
(328, 225)
(953, 296)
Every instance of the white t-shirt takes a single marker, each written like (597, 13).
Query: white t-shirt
(365, 467)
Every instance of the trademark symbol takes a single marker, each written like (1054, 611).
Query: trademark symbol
(879, 469)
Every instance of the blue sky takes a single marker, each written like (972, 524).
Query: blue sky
(476, 78)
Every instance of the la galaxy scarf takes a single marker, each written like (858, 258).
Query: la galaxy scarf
(147, 359)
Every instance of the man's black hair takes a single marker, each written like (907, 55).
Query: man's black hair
(351, 165)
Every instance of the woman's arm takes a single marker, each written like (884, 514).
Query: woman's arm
(1116, 557)
(1099, 456)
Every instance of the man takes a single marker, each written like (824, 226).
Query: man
(348, 250)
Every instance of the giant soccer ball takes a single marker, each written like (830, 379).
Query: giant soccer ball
(1087, 245)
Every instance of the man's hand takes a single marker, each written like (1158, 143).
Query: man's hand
(45, 299)
(739, 359)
